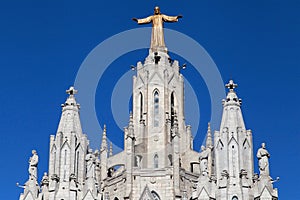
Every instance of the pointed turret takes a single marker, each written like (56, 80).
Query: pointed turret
(232, 118)
(69, 121)
(67, 151)
(233, 148)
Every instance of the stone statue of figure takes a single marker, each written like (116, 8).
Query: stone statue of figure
(263, 160)
(45, 179)
(157, 37)
(97, 167)
(203, 158)
(33, 163)
(90, 164)
(138, 160)
(45, 182)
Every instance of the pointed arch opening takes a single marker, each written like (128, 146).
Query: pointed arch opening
(155, 161)
(155, 195)
(141, 106)
(172, 108)
(77, 164)
(170, 158)
(156, 108)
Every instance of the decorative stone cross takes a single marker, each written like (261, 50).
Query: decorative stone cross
(231, 85)
(71, 91)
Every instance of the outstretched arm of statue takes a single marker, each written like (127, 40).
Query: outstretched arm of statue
(167, 18)
(179, 16)
(146, 20)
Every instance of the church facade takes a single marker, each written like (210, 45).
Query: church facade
(158, 160)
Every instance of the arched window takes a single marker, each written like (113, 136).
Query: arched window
(141, 106)
(170, 160)
(235, 198)
(65, 164)
(155, 195)
(156, 109)
(155, 161)
(77, 164)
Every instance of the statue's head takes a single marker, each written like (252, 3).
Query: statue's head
(202, 148)
(156, 10)
(33, 151)
(263, 145)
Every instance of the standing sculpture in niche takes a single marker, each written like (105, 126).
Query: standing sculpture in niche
(157, 37)
(33, 162)
(263, 160)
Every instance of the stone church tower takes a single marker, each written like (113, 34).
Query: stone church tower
(158, 161)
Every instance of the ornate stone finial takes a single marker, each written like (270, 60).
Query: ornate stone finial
(130, 118)
(104, 129)
(130, 126)
(131, 115)
(208, 136)
(110, 149)
(231, 85)
(71, 99)
(232, 98)
(104, 142)
(71, 91)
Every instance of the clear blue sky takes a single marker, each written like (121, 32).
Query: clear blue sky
(43, 43)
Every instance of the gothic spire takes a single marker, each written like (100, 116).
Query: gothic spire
(70, 121)
(130, 126)
(232, 117)
(233, 137)
(208, 137)
(104, 139)
(110, 149)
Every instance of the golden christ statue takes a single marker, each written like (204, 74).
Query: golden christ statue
(158, 19)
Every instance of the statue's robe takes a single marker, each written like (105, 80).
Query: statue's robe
(157, 37)
(263, 161)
